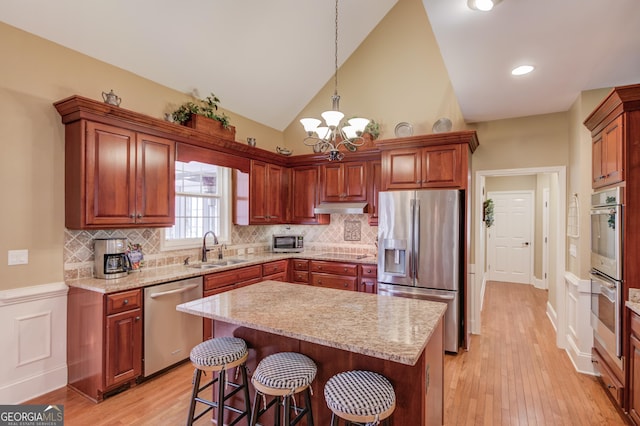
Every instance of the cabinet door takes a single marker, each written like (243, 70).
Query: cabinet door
(266, 200)
(124, 347)
(110, 175)
(612, 166)
(155, 174)
(441, 166)
(597, 175)
(343, 182)
(402, 169)
(304, 196)
(634, 380)
(368, 285)
(375, 171)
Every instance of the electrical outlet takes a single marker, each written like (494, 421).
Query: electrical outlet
(240, 251)
(18, 257)
(250, 250)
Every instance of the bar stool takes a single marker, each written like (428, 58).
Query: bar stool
(219, 355)
(362, 397)
(282, 376)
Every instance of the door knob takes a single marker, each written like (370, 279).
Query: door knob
(526, 243)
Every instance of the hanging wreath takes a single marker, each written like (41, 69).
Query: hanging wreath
(487, 212)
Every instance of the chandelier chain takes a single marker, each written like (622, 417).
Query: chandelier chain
(336, 54)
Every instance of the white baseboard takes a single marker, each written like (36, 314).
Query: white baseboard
(553, 316)
(539, 284)
(34, 341)
(581, 361)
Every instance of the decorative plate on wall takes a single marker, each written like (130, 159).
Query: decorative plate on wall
(442, 125)
(403, 130)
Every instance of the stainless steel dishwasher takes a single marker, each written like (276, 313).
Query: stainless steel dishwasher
(170, 335)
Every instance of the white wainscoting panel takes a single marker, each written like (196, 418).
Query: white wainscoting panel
(579, 331)
(34, 341)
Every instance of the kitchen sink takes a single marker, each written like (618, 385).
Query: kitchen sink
(217, 263)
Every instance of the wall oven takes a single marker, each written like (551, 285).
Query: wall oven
(606, 271)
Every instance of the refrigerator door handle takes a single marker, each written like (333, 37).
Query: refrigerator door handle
(415, 250)
(397, 291)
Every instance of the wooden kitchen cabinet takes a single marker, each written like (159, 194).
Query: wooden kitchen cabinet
(304, 196)
(276, 270)
(607, 155)
(634, 369)
(116, 177)
(375, 173)
(338, 275)
(104, 340)
(429, 167)
(267, 193)
(368, 279)
(300, 271)
(343, 182)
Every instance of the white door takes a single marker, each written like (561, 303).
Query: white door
(509, 240)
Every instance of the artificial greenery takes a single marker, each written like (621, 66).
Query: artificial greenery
(373, 129)
(488, 212)
(207, 107)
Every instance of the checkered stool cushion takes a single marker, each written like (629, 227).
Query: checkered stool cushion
(218, 351)
(285, 370)
(360, 393)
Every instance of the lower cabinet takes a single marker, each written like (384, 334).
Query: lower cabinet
(104, 340)
(300, 271)
(224, 281)
(610, 381)
(634, 369)
(276, 270)
(368, 279)
(336, 275)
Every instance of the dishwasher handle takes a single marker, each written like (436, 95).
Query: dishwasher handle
(174, 291)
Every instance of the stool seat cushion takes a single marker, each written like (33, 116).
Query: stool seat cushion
(218, 351)
(359, 393)
(285, 370)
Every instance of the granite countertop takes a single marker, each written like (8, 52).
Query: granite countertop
(391, 328)
(151, 276)
(634, 300)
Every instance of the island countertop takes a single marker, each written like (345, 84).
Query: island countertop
(390, 328)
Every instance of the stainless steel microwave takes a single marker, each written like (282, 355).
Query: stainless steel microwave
(287, 244)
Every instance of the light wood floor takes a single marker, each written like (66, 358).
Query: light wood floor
(513, 375)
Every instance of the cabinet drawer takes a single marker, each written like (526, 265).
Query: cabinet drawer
(233, 276)
(370, 271)
(300, 276)
(610, 381)
(272, 268)
(333, 281)
(120, 302)
(300, 265)
(334, 268)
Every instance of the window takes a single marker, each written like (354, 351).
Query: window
(203, 201)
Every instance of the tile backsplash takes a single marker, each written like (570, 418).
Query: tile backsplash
(343, 235)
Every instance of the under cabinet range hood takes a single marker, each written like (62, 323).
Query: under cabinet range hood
(343, 208)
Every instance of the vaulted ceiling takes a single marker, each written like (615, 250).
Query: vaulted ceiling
(267, 59)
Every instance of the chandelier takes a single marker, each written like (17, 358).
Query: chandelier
(334, 134)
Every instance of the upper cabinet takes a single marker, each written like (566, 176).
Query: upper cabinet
(607, 161)
(116, 177)
(304, 196)
(267, 193)
(427, 161)
(343, 181)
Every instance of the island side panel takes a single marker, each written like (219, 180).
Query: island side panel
(416, 404)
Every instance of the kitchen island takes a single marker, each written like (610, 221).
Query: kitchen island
(399, 338)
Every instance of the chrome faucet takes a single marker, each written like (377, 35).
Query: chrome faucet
(204, 244)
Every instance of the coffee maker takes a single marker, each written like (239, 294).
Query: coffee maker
(111, 260)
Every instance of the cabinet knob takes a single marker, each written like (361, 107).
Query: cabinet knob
(137, 318)
(345, 269)
(319, 281)
(132, 215)
(346, 284)
(139, 216)
(125, 302)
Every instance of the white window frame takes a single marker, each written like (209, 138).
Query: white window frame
(226, 199)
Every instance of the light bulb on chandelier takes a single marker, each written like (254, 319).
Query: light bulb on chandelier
(333, 135)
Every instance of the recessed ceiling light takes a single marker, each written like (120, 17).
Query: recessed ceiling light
(482, 5)
(522, 70)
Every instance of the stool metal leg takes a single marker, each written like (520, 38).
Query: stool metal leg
(221, 383)
(287, 410)
(194, 393)
(307, 402)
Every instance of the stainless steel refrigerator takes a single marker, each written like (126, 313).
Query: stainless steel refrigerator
(420, 251)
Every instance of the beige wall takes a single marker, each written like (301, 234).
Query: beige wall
(579, 178)
(396, 75)
(35, 73)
